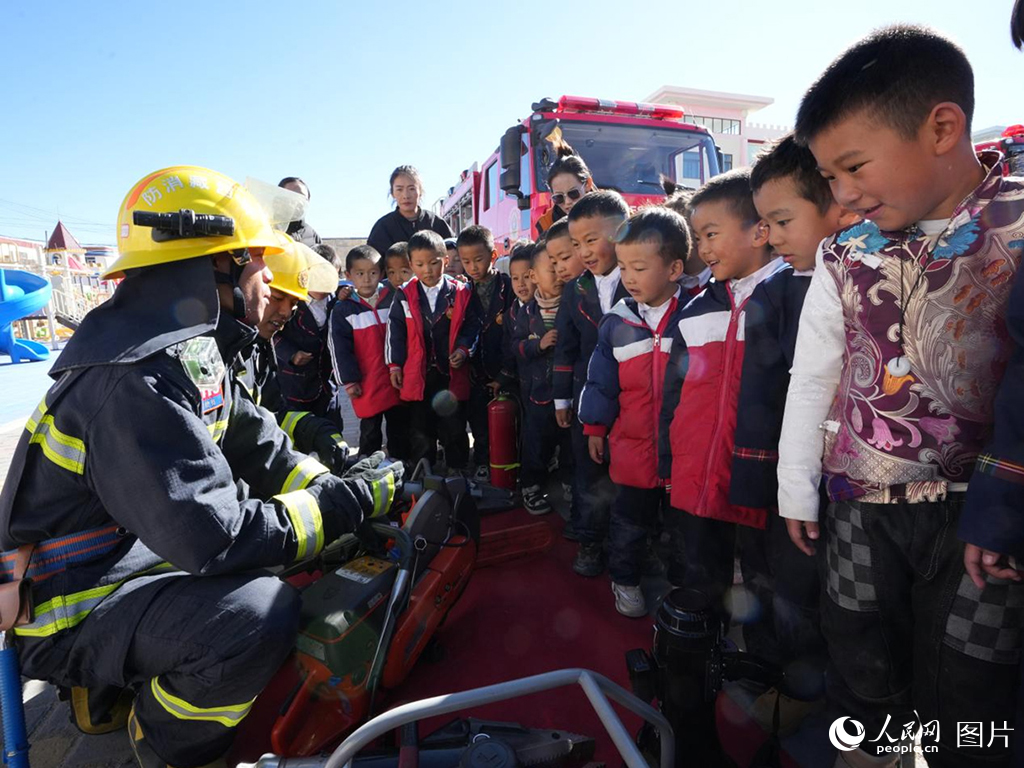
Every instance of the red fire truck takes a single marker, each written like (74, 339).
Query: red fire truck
(626, 145)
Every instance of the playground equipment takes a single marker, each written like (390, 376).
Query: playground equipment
(21, 294)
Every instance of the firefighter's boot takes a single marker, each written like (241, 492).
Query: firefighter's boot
(99, 710)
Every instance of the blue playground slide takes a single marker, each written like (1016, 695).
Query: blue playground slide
(21, 294)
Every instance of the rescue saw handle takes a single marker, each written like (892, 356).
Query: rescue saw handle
(185, 223)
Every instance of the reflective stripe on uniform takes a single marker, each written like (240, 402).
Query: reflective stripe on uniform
(383, 494)
(217, 429)
(228, 715)
(67, 611)
(63, 450)
(37, 415)
(307, 522)
(304, 473)
(291, 420)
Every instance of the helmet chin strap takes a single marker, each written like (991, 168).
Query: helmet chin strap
(232, 278)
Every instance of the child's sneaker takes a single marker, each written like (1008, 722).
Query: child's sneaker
(567, 492)
(482, 474)
(589, 560)
(629, 601)
(535, 502)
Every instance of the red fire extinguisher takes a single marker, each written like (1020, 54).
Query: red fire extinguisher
(501, 423)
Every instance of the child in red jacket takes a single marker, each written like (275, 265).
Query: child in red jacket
(358, 327)
(433, 329)
(702, 397)
(622, 397)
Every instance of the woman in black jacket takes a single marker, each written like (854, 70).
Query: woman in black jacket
(408, 216)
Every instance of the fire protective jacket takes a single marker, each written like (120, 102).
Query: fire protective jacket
(129, 470)
(256, 369)
(623, 394)
(358, 330)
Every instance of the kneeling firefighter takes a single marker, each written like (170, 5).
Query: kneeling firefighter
(148, 490)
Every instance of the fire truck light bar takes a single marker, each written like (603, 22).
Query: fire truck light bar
(606, 106)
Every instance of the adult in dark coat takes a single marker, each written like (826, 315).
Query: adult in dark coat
(299, 230)
(408, 217)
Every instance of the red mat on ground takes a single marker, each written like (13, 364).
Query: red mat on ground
(524, 617)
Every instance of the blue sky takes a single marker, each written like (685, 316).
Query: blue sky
(96, 95)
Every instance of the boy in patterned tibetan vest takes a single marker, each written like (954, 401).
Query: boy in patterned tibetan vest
(902, 345)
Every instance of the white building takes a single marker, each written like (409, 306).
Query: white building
(988, 134)
(725, 115)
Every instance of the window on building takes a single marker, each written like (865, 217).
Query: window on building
(726, 163)
(753, 150)
(691, 165)
(723, 125)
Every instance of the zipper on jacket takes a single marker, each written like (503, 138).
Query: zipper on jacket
(730, 355)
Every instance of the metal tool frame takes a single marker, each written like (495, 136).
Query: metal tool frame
(600, 691)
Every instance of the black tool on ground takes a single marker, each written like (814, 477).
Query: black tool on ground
(688, 664)
(184, 223)
(476, 743)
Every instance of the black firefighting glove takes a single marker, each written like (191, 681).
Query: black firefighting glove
(384, 481)
(333, 452)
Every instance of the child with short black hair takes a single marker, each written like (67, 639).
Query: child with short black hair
(702, 397)
(303, 359)
(358, 328)
(695, 272)
(494, 292)
(593, 222)
(396, 264)
(564, 258)
(622, 397)
(454, 265)
(533, 343)
(901, 348)
(513, 376)
(433, 330)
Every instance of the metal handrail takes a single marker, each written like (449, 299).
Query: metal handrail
(598, 689)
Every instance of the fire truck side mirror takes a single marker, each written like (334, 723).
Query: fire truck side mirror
(510, 154)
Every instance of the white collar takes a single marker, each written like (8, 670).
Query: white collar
(744, 286)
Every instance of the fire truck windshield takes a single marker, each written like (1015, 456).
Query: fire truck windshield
(631, 158)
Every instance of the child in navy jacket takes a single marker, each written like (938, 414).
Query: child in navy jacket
(358, 328)
(514, 377)
(494, 291)
(433, 328)
(593, 222)
(796, 202)
(621, 400)
(533, 344)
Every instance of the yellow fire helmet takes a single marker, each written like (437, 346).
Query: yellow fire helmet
(183, 212)
(298, 269)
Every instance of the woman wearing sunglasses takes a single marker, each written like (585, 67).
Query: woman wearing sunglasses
(569, 179)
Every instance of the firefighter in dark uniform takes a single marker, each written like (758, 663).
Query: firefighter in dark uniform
(124, 503)
(298, 270)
